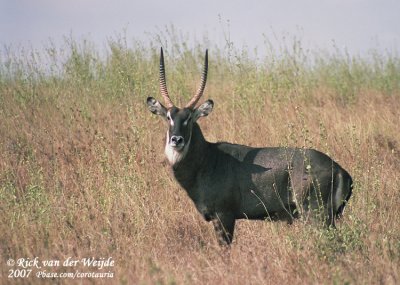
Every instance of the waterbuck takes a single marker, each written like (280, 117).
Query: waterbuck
(230, 181)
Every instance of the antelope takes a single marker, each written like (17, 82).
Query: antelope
(229, 181)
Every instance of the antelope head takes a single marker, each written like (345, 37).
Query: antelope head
(180, 120)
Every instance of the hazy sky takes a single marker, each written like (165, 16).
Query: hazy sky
(358, 25)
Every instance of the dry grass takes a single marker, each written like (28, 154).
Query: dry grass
(82, 171)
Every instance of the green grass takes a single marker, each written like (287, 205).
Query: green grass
(82, 170)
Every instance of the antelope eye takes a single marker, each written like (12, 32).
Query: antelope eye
(187, 121)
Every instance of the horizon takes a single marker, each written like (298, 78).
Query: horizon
(356, 27)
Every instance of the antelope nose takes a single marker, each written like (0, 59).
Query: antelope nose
(176, 140)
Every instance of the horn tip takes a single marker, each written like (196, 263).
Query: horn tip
(161, 57)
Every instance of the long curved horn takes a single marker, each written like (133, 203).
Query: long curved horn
(192, 103)
(163, 83)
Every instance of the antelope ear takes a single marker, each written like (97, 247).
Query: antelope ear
(156, 107)
(204, 109)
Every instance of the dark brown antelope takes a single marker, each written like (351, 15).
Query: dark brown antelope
(230, 181)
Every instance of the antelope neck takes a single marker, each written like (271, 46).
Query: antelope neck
(186, 169)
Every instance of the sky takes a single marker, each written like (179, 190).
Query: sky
(356, 25)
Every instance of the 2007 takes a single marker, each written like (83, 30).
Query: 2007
(19, 273)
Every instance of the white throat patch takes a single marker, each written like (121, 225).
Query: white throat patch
(172, 154)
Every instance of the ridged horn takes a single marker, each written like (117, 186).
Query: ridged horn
(192, 103)
(163, 83)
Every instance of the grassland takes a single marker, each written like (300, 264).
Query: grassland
(82, 170)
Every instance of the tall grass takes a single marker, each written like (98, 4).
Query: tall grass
(82, 171)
